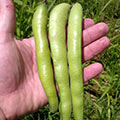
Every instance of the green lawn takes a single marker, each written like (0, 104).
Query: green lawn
(102, 94)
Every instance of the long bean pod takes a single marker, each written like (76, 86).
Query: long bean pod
(75, 59)
(45, 71)
(57, 36)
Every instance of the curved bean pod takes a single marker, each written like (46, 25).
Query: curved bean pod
(45, 71)
(75, 59)
(57, 27)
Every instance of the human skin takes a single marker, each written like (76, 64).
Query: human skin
(21, 91)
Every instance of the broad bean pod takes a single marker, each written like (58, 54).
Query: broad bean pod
(45, 70)
(75, 59)
(57, 37)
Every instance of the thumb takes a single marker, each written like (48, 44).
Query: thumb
(7, 16)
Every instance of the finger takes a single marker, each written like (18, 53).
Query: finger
(92, 71)
(95, 48)
(95, 32)
(2, 116)
(87, 22)
(7, 16)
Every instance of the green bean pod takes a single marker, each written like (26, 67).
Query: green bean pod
(75, 59)
(45, 70)
(57, 37)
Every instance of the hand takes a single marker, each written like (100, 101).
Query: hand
(21, 91)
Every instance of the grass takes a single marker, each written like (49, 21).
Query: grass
(102, 94)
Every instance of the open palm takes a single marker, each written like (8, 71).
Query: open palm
(21, 91)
